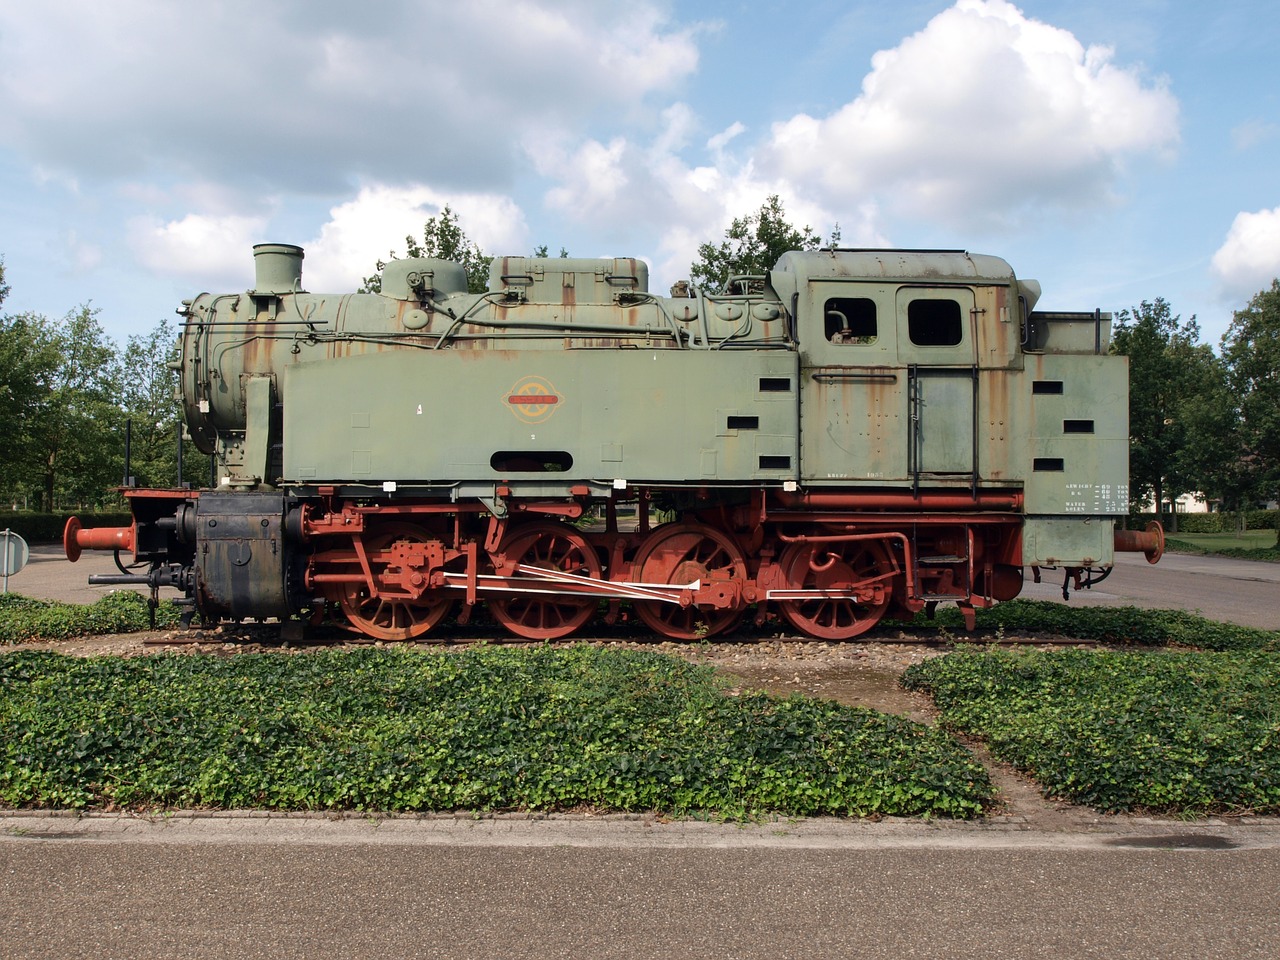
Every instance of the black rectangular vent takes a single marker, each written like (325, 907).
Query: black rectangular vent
(1047, 464)
(775, 463)
(1077, 426)
(1046, 386)
(775, 384)
(743, 423)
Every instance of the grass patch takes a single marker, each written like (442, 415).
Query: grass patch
(1249, 545)
(1247, 540)
(1163, 732)
(486, 729)
(25, 619)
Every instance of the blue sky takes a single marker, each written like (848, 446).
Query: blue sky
(1114, 151)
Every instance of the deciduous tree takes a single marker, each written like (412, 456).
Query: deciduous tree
(28, 364)
(1251, 348)
(74, 444)
(146, 399)
(444, 238)
(751, 246)
(1168, 368)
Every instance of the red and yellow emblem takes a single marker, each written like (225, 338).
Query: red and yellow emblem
(532, 399)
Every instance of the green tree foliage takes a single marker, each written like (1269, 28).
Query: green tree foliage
(74, 436)
(1170, 373)
(443, 238)
(751, 246)
(28, 366)
(146, 400)
(66, 390)
(1251, 348)
(1213, 452)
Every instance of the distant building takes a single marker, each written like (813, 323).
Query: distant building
(1187, 503)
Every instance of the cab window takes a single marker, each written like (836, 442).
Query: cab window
(850, 320)
(935, 323)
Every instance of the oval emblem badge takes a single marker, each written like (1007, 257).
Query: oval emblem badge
(532, 399)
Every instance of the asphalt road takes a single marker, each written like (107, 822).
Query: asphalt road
(51, 576)
(251, 887)
(1245, 592)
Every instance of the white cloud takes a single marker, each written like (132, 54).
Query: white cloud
(43, 176)
(593, 178)
(982, 114)
(217, 249)
(212, 250)
(81, 254)
(362, 231)
(981, 119)
(299, 95)
(1253, 132)
(1249, 258)
(722, 139)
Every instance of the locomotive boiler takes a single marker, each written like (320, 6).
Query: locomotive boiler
(857, 434)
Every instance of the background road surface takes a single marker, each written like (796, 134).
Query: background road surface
(1235, 591)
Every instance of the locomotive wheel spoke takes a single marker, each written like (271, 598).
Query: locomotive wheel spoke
(547, 616)
(840, 565)
(391, 618)
(682, 553)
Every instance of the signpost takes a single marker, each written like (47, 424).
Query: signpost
(13, 555)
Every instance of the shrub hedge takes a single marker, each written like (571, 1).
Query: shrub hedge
(1211, 522)
(1120, 625)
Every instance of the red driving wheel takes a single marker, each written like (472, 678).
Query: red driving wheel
(835, 567)
(391, 618)
(547, 616)
(684, 553)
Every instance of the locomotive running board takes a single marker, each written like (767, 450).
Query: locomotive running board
(538, 580)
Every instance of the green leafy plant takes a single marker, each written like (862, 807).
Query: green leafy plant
(1168, 732)
(124, 611)
(1105, 625)
(538, 729)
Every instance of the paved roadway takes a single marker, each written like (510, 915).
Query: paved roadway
(1236, 591)
(50, 575)
(223, 887)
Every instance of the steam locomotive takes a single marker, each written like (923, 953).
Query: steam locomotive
(856, 434)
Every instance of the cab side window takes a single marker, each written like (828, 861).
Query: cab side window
(934, 323)
(850, 320)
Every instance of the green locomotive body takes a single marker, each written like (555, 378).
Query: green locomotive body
(858, 433)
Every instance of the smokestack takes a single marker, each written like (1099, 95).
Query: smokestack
(278, 268)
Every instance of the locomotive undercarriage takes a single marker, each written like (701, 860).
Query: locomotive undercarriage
(831, 565)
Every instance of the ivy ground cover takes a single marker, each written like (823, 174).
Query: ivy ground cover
(123, 611)
(1157, 731)
(399, 730)
(1121, 625)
